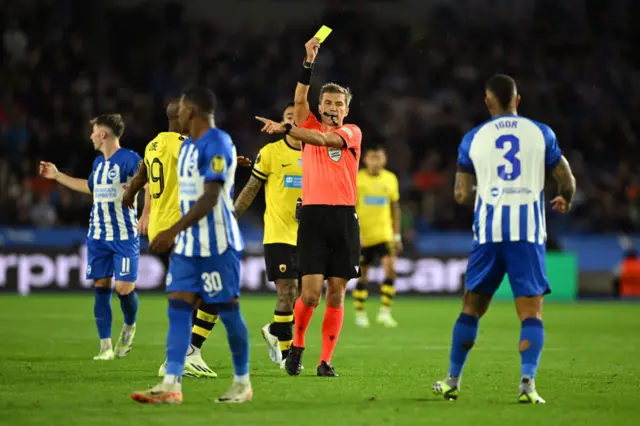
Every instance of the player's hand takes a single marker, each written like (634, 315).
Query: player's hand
(271, 126)
(48, 170)
(398, 247)
(128, 198)
(143, 224)
(312, 47)
(163, 241)
(244, 161)
(561, 205)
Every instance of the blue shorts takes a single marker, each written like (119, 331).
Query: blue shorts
(216, 279)
(522, 261)
(104, 258)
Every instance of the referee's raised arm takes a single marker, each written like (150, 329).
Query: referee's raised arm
(301, 108)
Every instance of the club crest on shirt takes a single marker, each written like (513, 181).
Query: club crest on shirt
(114, 172)
(335, 154)
(217, 164)
(283, 268)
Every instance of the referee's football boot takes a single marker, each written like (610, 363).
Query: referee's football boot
(293, 363)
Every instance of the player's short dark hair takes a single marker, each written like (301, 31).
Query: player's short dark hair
(336, 88)
(503, 87)
(374, 148)
(289, 105)
(113, 121)
(204, 99)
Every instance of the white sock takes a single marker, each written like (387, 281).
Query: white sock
(170, 379)
(244, 379)
(105, 344)
(193, 351)
(128, 328)
(385, 310)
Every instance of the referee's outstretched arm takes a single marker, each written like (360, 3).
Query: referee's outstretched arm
(301, 108)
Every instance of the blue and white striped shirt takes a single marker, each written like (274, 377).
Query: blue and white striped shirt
(509, 155)
(210, 158)
(110, 219)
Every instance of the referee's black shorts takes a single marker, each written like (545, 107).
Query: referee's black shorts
(329, 241)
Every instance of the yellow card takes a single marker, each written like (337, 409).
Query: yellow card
(323, 33)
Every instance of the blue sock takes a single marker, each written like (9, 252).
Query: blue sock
(102, 311)
(238, 337)
(179, 335)
(465, 332)
(533, 332)
(129, 305)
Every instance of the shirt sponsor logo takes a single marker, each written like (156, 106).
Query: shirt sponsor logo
(375, 200)
(291, 181)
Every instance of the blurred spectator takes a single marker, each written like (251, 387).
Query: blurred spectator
(418, 90)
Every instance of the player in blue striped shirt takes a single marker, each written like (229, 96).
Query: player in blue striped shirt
(502, 165)
(113, 245)
(206, 260)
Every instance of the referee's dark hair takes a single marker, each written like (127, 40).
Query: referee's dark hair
(204, 99)
(503, 88)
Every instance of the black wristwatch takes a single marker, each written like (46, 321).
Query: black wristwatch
(307, 64)
(287, 128)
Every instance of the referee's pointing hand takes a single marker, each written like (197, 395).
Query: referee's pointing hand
(270, 126)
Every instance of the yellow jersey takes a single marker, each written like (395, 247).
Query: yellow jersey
(375, 195)
(279, 166)
(161, 159)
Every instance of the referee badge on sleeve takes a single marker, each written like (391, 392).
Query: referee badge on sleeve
(217, 164)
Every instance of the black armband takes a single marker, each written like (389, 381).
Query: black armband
(305, 73)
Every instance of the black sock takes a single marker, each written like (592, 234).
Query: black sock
(204, 318)
(282, 328)
(360, 295)
(387, 291)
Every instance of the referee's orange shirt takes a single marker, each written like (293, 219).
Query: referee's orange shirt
(329, 174)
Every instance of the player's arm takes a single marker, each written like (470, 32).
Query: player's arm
(464, 190)
(139, 180)
(247, 195)
(201, 208)
(563, 176)
(50, 171)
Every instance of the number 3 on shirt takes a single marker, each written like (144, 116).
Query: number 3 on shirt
(513, 143)
(212, 282)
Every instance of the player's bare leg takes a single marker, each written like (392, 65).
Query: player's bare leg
(531, 342)
(303, 311)
(465, 331)
(387, 292)
(181, 305)
(360, 295)
(332, 324)
(129, 304)
(279, 334)
(103, 317)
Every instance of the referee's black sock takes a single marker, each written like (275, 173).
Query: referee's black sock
(360, 295)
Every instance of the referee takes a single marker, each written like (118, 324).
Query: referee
(328, 231)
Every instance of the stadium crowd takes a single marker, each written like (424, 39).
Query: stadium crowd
(416, 92)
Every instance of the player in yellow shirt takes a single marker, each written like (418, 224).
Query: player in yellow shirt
(161, 210)
(378, 209)
(278, 167)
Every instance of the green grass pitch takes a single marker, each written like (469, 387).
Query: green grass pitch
(589, 373)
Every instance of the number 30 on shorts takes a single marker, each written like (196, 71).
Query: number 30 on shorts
(212, 282)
